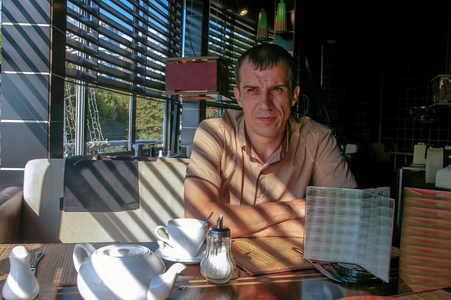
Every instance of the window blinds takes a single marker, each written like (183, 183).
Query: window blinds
(229, 36)
(122, 44)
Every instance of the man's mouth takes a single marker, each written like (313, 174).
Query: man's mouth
(266, 119)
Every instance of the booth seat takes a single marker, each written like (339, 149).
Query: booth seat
(10, 214)
(35, 213)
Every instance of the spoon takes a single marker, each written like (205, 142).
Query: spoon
(206, 221)
(34, 264)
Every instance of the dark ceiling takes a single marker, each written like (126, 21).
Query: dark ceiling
(375, 26)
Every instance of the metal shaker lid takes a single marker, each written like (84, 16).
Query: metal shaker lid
(219, 231)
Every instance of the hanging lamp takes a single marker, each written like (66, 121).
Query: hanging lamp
(262, 28)
(243, 11)
(281, 18)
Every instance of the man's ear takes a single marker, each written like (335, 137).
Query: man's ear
(237, 94)
(295, 95)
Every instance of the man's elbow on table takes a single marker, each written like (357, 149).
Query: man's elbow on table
(198, 197)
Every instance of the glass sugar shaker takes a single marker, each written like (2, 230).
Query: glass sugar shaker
(217, 265)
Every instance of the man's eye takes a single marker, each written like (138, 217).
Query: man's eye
(250, 90)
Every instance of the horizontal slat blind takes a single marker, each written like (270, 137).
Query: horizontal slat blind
(122, 44)
(229, 36)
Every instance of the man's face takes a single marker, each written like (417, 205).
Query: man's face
(266, 98)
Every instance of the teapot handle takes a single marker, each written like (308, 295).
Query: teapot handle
(78, 251)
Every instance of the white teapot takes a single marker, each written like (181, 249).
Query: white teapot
(123, 271)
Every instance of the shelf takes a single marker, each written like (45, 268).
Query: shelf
(438, 105)
(198, 95)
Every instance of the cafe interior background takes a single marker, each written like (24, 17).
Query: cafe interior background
(84, 77)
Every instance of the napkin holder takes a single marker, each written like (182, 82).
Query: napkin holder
(419, 154)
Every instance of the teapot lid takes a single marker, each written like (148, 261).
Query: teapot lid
(123, 251)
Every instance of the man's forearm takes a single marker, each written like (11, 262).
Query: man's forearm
(245, 220)
(290, 228)
(242, 220)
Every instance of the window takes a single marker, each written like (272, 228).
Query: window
(115, 53)
(150, 120)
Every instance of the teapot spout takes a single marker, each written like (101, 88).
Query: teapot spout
(161, 285)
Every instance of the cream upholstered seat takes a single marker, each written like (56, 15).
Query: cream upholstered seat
(160, 186)
(10, 214)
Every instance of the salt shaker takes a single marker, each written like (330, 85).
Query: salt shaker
(20, 283)
(217, 265)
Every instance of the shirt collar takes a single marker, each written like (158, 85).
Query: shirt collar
(281, 152)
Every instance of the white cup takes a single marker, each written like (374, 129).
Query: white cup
(186, 236)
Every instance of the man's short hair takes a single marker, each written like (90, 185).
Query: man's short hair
(265, 56)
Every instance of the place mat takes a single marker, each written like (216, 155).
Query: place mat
(268, 255)
(367, 297)
(428, 295)
(56, 266)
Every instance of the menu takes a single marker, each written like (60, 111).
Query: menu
(350, 226)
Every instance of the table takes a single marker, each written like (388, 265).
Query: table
(56, 270)
(406, 155)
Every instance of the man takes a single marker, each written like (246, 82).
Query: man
(253, 166)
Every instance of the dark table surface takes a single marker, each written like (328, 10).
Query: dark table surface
(56, 272)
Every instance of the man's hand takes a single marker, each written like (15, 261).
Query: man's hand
(297, 208)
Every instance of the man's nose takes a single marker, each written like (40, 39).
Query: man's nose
(266, 100)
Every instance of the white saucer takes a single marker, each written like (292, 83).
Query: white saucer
(167, 253)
